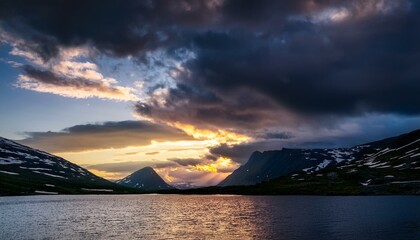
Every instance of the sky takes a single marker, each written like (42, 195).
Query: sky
(192, 88)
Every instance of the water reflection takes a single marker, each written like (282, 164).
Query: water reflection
(209, 217)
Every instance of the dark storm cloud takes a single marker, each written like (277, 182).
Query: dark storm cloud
(332, 71)
(307, 68)
(132, 27)
(119, 28)
(277, 135)
(239, 109)
(257, 63)
(103, 136)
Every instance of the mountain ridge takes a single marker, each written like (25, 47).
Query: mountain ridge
(387, 166)
(25, 170)
(268, 165)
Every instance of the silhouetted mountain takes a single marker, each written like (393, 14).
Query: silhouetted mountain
(24, 170)
(145, 179)
(391, 157)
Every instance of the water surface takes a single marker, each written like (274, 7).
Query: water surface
(209, 217)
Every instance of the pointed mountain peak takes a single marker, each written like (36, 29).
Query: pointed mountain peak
(146, 179)
(146, 169)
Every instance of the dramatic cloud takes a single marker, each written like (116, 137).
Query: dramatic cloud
(238, 75)
(259, 58)
(194, 106)
(103, 136)
(120, 29)
(68, 74)
(301, 73)
(49, 82)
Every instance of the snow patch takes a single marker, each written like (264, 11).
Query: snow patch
(11, 143)
(407, 145)
(413, 150)
(48, 174)
(45, 192)
(47, 161)
(340, 155)
(7, 161)
(366, 183)
(42, 169)
(322, 165)
(377, 165)
(385, 166)
(10, 173)
(398, 166)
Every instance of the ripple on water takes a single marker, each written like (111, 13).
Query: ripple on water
(208, 217)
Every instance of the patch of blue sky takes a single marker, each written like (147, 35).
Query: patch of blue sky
(26, 111)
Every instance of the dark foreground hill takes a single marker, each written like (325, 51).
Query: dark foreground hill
(145, 179)
(24, 170)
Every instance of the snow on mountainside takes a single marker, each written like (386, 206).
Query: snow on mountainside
(271, 164)
(16, 156)
(393, 156)
(24, 170)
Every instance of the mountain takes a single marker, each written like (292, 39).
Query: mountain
(24, 170)
(393, 159)
(145, 179)
(263, 166)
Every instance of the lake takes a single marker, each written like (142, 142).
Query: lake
(209, 217)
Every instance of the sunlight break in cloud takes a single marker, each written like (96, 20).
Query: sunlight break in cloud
(219, 136)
